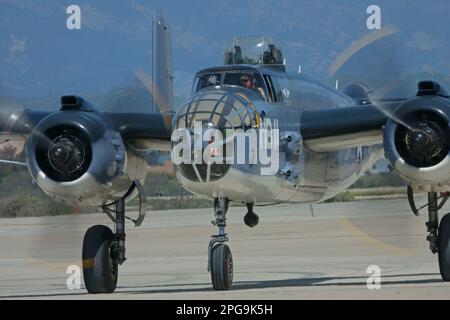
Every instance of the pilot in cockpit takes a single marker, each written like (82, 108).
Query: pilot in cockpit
(248, 82)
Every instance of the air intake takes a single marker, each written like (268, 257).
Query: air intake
(74, 103)
(431, 88)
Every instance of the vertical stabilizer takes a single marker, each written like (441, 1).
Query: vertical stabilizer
(162, 71)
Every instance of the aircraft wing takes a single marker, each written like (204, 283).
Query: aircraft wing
(333, 129)
(143, 127)
(144, 131)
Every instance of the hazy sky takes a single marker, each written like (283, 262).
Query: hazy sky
(40, 56)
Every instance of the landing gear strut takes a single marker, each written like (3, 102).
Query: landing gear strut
(433, 222)
(438, 233)
(103, 250)
(220, 260)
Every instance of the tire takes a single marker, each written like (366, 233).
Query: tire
(221, 267)
(100, 274)
(444, 247)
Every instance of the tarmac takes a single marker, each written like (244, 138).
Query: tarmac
(294, 253)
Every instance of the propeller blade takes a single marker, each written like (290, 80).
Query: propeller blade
(13, 162)
(393, 66)
(357, 46)
(163, 106)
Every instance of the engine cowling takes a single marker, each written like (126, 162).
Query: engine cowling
(417, 142)
(76, 157)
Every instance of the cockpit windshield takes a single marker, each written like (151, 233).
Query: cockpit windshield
(247, 79)
(207, 80)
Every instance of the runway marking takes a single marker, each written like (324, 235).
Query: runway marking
(373, 241)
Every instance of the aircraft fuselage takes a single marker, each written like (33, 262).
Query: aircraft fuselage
(297, 174)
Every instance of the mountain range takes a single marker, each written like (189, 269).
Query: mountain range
(40, 59)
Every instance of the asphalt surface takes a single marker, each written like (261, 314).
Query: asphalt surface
(290, 255)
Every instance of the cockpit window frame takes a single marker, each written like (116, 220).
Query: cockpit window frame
(271, 89)
(199, 76)
(223, 74)
(277, 89)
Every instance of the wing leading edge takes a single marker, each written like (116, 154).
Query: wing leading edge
(333, 129)
(149, 129)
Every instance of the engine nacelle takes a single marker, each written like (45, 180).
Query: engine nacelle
(417, 142)
(77, 158)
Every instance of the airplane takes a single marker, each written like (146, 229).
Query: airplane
(318, 140)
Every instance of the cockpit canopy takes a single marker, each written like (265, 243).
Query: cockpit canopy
(249, 79)
(253, 50)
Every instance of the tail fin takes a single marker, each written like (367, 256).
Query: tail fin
(162, 71)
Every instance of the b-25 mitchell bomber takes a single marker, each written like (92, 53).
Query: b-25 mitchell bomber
(250, 133)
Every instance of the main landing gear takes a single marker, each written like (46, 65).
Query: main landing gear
(103, 250)
(220, 260)
(438, 233)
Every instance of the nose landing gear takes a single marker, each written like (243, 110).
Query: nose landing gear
(220, 260)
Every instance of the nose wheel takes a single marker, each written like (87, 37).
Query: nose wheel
(221, 267)
(220, 260)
